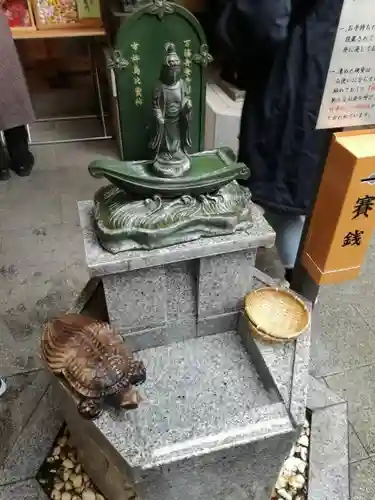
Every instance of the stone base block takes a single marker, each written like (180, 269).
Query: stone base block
(161, 296)
(217, 420)
(208, 428)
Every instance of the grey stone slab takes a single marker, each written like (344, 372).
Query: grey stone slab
(268, 261)
(358, 292)
(23, 394)
(136, 300)
(329, 469)
(356, 448)
(366, 310)
(45, 158)
(103, 263)
(357, 387)
(274, 362)
(341, 341)
(300, 378)
(320, 396)
(283, 365)
(23, 490)
(201, 396)
(32, 445)
(362, 485)
(176, 331)
(29, 301)
(217, 324)
(155, 302)
(14, 359)
(181, 290)
(43, 202)
(224, 281)
(79, 155)
(44, 243)
(249, 473)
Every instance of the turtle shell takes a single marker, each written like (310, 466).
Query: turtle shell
(89, 354)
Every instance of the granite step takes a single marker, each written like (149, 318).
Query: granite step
(206, 411)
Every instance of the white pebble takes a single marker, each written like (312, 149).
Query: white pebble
(303, 452)
(78, 468)
(62, 441)
(99, 497)
(66, 475)
(297, 482)
(282, 482)
(306, 425)
(284, 494)
(76, 497)
(68, 486)
(76, 480)
(290, 466)
(303, 441)
(59, 485)
(85, 477)
(302, 467)
(292, 451)
(56, 451)
(50, 459)
(72, 455)
(68, 464)
(56, 495)
(88, 495)
(66, 496)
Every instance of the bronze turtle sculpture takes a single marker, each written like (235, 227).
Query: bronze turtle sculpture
(94, 361)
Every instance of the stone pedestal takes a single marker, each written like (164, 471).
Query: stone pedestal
(220, 411)
(156, 297)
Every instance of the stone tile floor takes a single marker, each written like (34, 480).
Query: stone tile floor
(42, 269)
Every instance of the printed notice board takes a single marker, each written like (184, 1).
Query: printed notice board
(349, 95)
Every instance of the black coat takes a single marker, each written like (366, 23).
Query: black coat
(283, 52)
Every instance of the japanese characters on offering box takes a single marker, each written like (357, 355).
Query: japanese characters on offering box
(361, 210)
(349, 95)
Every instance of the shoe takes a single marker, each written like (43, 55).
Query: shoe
(24, 169)
(4, 174)
(289, 275)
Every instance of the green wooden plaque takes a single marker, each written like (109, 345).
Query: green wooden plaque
(139, 52)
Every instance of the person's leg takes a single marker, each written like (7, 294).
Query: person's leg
(288, 236)
(21, 158)
(4, 164)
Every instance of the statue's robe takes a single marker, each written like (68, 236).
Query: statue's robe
(170, 104)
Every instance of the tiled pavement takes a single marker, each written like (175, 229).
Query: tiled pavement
(41, 271)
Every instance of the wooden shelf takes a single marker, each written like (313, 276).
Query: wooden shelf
(20, 34)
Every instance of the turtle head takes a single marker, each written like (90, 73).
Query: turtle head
(130, 399)
(137, 373)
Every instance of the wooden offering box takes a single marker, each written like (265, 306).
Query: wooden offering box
(343, 219)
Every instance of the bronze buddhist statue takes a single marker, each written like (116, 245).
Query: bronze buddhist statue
(172, 111)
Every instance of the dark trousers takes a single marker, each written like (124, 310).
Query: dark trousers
(17, 145)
